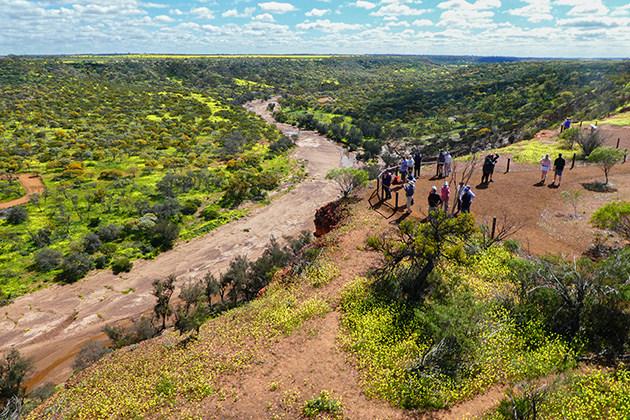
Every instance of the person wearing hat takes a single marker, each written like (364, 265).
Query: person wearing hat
(410, 189)
(434, 200)
(467, 199)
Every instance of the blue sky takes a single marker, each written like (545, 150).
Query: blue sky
(523, 28)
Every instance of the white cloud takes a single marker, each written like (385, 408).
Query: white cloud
(464, 5)
(263, 17)
(584, 7)
(248, 12)
(275, 7)
(466, 19)
(397, 9)
(153, 5)
(535, 11)
(328, 26)
(189, 25)
(422, 22)
(175, 12)
(595, 22)
(203, 13)
(365, 4)
(163, 19)
(402, 23)
(622, 11)
(317, 12)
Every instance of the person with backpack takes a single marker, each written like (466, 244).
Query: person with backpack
(467, 198)
(410, 189)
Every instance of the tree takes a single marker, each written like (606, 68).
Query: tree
(573, 198)
(17, 215)
(211, 287)
(606, 157)
(163, 290)
(613, 216)
(13, 370)
(411, 254)
(590, 141)
(47, 259)
(75, 266)
(347, 178)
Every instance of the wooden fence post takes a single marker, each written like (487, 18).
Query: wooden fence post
(396, 208)
(573, 161)
(378, 188)
(508, 166)
(625, 156)
(618, 139)
(494, 226)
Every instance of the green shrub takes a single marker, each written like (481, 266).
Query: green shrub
(210, 213)
(323, 404)
(47, 259)
(121, 265)
(75, 266)
(17, 215)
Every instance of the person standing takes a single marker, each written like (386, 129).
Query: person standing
(386, 180)
(448, 160)
(558, 166)
(467, 198)
(417, 162)
(460, 193)
(434, 200)
(440, 164)
(445, 195)
(545, 164)
(403, 169)
(488, 168)
(410, 166)
(410, 189)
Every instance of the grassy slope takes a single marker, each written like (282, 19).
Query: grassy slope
(267, 359)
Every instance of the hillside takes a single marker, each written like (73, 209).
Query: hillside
(266, 359)
(153, 172)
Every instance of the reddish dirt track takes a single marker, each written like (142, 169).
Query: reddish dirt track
(32, 184)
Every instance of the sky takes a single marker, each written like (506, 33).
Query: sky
(520, 28)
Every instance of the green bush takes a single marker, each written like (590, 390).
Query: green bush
(210, 213)
(323, 404)
(17, 215)
(613, 216)
(75, 266)
(121, 265)
(47, 259)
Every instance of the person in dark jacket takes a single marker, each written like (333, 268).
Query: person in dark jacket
(434, 200)
(386, 180)
(417, 161)
(467, 199)
(488, 168)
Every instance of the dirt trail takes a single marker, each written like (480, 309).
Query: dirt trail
(32, 184)
(52, 323)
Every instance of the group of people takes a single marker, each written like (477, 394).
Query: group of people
(558, 167)
(440, 201)
(410, 165)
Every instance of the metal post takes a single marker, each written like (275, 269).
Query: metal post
(396, 208)
(508, 166)
(494, 226)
